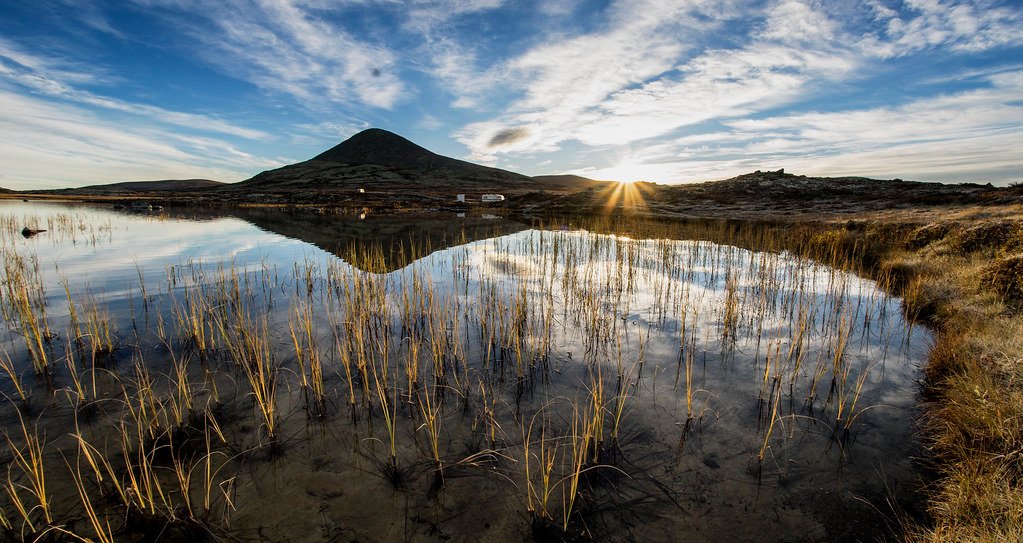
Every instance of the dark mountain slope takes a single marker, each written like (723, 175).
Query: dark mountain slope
(376, 159)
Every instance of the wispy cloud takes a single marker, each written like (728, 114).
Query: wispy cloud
(564, 79)
(283, 46)
(58, 79)
(46, 145)
(602, 90)
(957, 25)
(970, 135)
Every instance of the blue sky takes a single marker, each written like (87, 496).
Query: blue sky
(667, 91)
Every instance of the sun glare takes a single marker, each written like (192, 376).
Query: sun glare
(627, 194)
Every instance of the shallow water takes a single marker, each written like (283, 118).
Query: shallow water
(737, 393)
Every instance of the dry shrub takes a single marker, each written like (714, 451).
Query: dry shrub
(928, 234)
(974, 425)
(1005, 276)
(989, 235)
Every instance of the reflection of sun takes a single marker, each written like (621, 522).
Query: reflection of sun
(628, 194)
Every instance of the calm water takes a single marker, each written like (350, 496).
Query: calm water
(736, 393)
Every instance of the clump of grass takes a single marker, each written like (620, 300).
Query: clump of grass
(25, 303)
(308, 357)
(1005, 276)
(102, 339)
(988, 236)
(23, 392)
(26, 484)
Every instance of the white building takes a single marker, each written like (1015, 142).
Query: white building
(460, 197)
(493, 198)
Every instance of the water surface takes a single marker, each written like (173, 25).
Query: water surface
(736, 393)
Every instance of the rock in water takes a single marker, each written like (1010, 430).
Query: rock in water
(29, 232)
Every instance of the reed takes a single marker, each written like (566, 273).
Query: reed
(250, 348)
(7, 366)
(34, 328)
(389, 408)
(26, 480)
(430, 413)
(308, 357)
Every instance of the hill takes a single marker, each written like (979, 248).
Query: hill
(144, 187)
(568, 182)
(378, 160)
(775, 193)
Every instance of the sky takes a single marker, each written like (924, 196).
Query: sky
(668, 91)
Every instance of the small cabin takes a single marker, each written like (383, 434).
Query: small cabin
(460, 198)
(490, 198)
(362, 191)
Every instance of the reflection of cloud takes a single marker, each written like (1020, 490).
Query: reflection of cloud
(151, 244)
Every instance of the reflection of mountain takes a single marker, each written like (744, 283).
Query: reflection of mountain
(394, 241)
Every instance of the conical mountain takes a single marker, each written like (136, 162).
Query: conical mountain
(379, 160)
(378, 146)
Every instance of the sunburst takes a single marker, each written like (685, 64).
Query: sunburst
(628, 194)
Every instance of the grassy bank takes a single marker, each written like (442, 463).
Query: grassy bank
(960, 271)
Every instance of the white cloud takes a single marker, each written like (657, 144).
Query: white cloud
(597, 90)
(281, 45)
(966, 136)
(957, 25)
(430, 122)
(52, 77)
(586, 89)
(562, 80)
(45, 145)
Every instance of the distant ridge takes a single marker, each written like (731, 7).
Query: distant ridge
(379, 160)
(178, 185)
(776, 193)
(568, 181)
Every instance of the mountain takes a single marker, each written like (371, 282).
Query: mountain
(383, 148)
(166, 185)
(378, 160)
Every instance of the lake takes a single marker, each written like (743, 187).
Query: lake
(297, 375)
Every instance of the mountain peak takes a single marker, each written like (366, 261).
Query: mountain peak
(379, 160)
(384, 148)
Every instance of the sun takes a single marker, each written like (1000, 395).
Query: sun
(626, 194)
